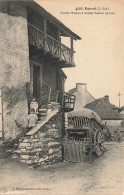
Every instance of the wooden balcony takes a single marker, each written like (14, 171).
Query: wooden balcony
(47, 44)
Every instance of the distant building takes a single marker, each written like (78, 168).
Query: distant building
(83, 97)
(103, 108)
(107, 112)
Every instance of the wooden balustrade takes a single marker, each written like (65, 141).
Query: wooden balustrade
(49, 44)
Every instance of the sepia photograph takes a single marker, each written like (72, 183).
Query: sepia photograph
(62, 97)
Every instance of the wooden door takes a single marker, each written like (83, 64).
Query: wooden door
(36, 83)
(77, 151)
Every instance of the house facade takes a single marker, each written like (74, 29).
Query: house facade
(82, 95)
(32, 57)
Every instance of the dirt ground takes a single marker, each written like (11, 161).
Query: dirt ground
(104, 176)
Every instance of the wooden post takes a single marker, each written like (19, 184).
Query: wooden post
(59, 46)
(49, 96)
(45, 32)
(57, 95)
(72, 49)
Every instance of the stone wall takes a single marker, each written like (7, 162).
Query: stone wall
(14, 67)
(45, 146)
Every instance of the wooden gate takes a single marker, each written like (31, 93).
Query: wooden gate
(77, 151)
(0, 115)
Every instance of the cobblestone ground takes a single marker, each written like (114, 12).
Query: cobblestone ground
(104, 176)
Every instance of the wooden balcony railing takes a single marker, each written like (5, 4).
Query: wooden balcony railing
(49, 44)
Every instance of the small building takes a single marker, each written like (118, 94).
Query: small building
(32, 57)
(82, 95)
(107, 111)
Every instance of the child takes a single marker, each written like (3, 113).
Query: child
(32, 118)
(34, 105)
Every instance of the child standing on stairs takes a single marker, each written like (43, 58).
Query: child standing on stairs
(33, 113)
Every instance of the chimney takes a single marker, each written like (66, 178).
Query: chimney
(81, 86)
(80, 95)
(106, 98)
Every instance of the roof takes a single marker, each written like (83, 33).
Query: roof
(122, 112)
(85, 113)
(62, 72)
(92, 105)
(73, 90)
(65, 30)
(104, 109)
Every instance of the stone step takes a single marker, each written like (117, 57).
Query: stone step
(42, 110)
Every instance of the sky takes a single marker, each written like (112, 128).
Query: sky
(99, 56)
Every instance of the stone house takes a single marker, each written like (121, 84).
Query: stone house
(31, 60)
(103, 108)
(107, 111)
(82, 95)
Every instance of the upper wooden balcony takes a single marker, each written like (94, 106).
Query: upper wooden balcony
(53, 47)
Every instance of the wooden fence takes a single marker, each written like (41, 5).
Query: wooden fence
(77, 151)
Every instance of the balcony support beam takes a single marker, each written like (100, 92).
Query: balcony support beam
(72, 50)
(45, 32)
(59, 42)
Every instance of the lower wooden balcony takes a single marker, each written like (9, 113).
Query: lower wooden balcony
(47, 44)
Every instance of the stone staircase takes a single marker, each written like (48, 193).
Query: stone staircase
(42, 112)
(42, 144)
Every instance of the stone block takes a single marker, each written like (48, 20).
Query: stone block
(24, 144)
(23, 150)
(47, 140)
(41, 160)
(34, 145)
(40, 144)
(28, 151)
(36, 135)
(51, 151)
(29, 162)
(28, 148)
(35, 140)
(46, 158)
(26, 141)
(37, 149)
(52, 130)
(14, 156)
(35, 161)
(41, 134)
(26, 157)
(50, 144)
(23, 161)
